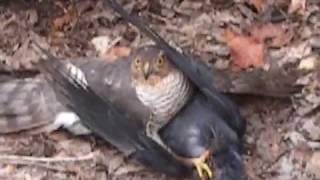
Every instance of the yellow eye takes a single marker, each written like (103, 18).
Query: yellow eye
(137, 63)
(159, 61)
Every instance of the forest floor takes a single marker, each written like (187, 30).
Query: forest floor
(283, 135)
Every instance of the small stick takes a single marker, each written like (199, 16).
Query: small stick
(16, 158)
(44, 162)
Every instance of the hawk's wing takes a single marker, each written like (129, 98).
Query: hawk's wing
(197, 71)
(113, 80)
(113, 123)
(36, 97)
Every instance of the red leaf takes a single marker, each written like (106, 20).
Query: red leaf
(245, 50)
(116, 52)
(298, 6)
(260, 5)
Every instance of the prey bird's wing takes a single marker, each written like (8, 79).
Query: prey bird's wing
(112, 123)
(197, 71)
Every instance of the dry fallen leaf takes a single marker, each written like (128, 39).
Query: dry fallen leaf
(229, 35)
(308, 63)
(314, 164)
(278, 35)
(24, 58)
(11, 169)
(101, 44)
(116, 52)
(60, 22)
(260, 5)
(297, 6)
(65, 19)
(245, 50)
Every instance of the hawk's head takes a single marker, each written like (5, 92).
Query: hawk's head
(150, 66)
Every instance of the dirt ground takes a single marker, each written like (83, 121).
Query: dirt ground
(283, 136)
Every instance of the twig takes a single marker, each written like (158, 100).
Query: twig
(44, 162)
(17, 159)
(41, 165)
(159, 18)
(12, 177)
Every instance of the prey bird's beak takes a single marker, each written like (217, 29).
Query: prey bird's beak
(146, 71)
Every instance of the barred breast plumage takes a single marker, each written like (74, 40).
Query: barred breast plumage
(167, 97)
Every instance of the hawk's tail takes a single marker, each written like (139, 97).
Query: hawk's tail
(21, 107)
(112, 124)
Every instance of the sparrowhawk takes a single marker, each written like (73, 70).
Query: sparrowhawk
(192, 135)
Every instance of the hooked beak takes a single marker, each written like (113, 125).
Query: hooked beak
(146, 71)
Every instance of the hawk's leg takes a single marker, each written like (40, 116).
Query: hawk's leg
(152, 129)
(202, 168)
(199, 163)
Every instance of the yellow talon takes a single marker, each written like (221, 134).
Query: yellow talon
(202, 166)
(199, 163)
